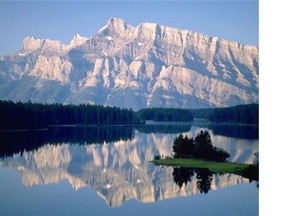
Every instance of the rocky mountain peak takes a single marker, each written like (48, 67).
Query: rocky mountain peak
(117, 25)
(77, 41)
(31, 43)
(134, 67)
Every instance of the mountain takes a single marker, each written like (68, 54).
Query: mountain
(134, 67)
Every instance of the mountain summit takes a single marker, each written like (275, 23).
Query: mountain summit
(149, 65)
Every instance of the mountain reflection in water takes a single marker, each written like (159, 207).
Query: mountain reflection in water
(115, 163)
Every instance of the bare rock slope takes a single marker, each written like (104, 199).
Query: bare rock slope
(134, 67)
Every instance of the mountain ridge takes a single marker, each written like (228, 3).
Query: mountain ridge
(149, 65)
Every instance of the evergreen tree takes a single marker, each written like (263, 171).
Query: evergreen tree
(178, 145)
(203, 145)
(183, 147)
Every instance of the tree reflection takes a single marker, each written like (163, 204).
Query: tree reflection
(20, 141)
(236, 131)
(183, 175)
(204, 178)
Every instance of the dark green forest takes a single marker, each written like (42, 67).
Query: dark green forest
(34, 116)
(165, 114)
(246, 114)
(18, 115)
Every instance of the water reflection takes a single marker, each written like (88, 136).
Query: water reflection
(176, 128)
(14, 142)
(183, 175)
(235, 131)
(116, 165)
(202, 176)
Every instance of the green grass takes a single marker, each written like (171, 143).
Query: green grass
(216, 167)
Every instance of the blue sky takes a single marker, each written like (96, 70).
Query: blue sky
(60, 20)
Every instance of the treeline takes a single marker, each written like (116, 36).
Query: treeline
(246, 114)
(34, 116)
(165, 114)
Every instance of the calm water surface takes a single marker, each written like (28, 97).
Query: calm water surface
(106, 171)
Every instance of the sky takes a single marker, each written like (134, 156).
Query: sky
(60, 20)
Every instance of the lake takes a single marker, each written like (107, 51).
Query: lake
(107, 171)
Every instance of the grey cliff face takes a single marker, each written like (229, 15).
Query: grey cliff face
(134, 67)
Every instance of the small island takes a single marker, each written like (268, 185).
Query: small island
(200, 153)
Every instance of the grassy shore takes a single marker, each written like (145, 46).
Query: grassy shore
(216, 167)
